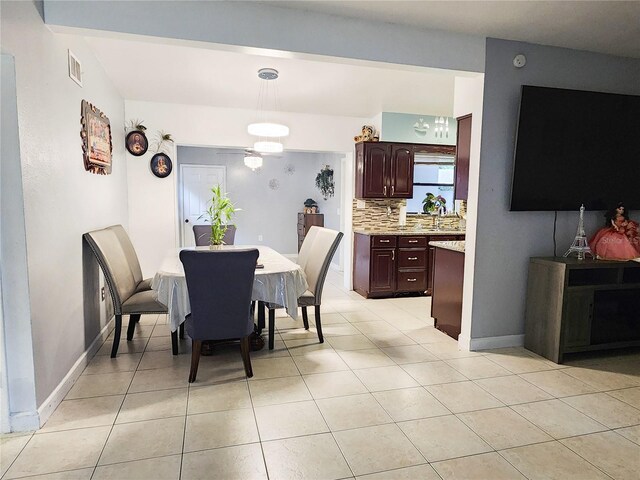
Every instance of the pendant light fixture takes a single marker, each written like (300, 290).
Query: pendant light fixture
(268, 133)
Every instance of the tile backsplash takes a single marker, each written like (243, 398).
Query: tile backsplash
(375, 216)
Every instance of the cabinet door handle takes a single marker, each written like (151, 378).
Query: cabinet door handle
(412, 279)
(393, 255)
(413, 241)
(393, 189)
(383, 241)
(384, 190)
(412, 258)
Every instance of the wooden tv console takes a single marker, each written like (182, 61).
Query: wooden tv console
(581, 305)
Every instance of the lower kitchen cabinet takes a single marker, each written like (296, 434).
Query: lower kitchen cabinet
(388, 264)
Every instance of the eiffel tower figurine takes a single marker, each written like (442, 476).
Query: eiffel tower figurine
(580, 245)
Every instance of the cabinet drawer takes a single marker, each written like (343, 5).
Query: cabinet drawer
(409, 258)
(412, 281)
(412, 242)
(383, 241)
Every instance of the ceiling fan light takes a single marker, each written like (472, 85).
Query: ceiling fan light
(253, 160)
(268, 147)
(266, 129)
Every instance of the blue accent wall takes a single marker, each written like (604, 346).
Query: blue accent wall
(405, 127)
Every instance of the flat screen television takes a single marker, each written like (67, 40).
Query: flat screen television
(576, 147)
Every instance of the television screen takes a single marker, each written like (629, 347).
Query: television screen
(575, 147)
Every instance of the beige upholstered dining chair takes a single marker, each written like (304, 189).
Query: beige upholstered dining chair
(130, 293)
(317, 250)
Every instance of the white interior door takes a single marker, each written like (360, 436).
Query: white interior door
(196, 182)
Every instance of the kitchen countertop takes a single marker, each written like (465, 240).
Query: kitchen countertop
(408, 231)
(456, 246)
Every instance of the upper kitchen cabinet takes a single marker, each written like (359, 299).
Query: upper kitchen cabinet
(463, 151)
(384, 170)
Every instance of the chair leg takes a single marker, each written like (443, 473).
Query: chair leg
(174, 342)
(116, 336)
(131, 329)
(272, 327)
(319, 324)
(196, 347)
(245, 347)
(182, 331)
(260, 317)
(305, 318)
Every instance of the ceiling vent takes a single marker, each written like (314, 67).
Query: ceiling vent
(75, 68)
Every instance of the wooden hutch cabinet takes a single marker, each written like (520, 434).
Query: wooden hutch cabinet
(305, 222)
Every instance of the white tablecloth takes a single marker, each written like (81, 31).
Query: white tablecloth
(280, 282)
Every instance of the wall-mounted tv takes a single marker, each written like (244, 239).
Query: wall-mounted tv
(576, 147)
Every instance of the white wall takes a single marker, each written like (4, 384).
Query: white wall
(468, 100)
(505, 240)
(61, 200)
(18, 376)
(153, 201)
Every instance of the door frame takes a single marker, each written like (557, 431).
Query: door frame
(181, 189)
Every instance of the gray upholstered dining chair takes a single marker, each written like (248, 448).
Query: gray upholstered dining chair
(130, 293)
(317, 250)
(220, 283)
(202, 233)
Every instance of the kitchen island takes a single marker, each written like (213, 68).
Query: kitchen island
(448, 279)
(396, 261)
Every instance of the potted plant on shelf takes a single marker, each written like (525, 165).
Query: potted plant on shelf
(220, 211)
(431, 204)
(325, 183)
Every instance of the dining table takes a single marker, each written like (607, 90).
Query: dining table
(278, 282)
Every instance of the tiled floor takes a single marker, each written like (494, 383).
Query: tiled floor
(385, 397)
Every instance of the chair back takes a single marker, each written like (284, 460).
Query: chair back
(305, 248)
(220, 283)
(113, 259)
(130, 252)
(324, 246)
(202, 234)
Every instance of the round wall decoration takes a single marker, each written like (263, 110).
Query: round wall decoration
(161, 165)
(274, 184)
(137, 143)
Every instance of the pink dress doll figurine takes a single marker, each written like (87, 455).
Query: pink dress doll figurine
(619, 239)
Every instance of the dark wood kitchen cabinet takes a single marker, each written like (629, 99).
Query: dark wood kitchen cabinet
(384, 265)
(463, 152)
(384, 170)
(446, 301)
(431, 257)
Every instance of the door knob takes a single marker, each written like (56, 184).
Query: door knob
(186, 221)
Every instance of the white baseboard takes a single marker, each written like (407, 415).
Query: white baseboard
(24, 421)
(486, 343)
(50, 404)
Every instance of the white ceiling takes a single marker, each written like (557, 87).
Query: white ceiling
(611, 27)
(161, 70)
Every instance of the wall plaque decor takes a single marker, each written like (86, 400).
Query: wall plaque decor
(96, 139)
(161, 165)
(136, 142)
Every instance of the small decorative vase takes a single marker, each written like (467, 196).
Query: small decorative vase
(215, 247)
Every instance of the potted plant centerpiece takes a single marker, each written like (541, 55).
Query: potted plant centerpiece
(219, 213)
